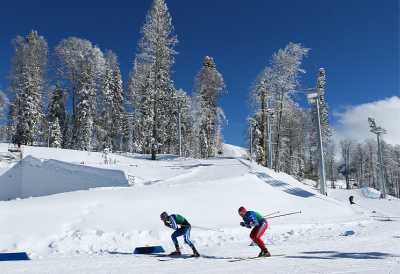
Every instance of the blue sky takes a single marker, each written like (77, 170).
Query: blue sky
(356, 41)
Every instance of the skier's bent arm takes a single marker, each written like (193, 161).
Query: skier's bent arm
(173, 223)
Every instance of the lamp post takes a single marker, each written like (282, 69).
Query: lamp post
(179, 129)
(48, 135)
(379, 131)
(252, 124)
(313, 98)
(270, 114)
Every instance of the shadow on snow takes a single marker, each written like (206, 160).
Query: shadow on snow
(333, 255)
(296, 191)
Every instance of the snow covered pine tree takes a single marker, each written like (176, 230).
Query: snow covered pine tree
(151, 88)
(208, 88)
(28, 80)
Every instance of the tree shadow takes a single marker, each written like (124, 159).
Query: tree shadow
(384, 219)
(334, 255)
(299, 192)
(120, 253)
(190, 166)
(296, 191)
(152, 182)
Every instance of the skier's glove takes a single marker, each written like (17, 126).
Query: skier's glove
(242, 224)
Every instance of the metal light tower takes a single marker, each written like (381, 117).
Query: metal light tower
(270, 113)
(48, 135)
(313, 98)
(252, 124)
(179, 129)
(381, 173)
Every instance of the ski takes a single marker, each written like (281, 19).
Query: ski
(166, 258)
(253, 258)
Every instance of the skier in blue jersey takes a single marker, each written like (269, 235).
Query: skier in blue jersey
(173, 221)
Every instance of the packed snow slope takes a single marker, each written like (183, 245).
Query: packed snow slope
(93, 231)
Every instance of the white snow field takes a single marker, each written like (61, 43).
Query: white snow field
(95, 229)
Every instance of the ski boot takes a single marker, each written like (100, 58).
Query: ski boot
(177, 251)
(264, 253)
(195, 253)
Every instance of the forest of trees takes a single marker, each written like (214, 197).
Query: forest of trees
(360, 159)
(80, 102)
(284, 134)
(85, 106)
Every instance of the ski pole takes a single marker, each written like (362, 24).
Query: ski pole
(273, 213)
(291, 213)
(207, 228)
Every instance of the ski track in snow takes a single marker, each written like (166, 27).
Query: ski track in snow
(95, 231)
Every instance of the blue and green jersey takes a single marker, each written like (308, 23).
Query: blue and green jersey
(175, 219)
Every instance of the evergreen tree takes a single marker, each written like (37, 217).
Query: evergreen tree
(150, 82)
(55, 134)
(3, 103)
(184, 112)
(11, 121)
(257, 147)
(259, 97)
(28, 80)
(68, 141)
(56, 110)
(113, 101)
(209, 86)
(84, 118)
(105, 119)
(4, 130)
(140, 98)
(83, 65)
(128, 142)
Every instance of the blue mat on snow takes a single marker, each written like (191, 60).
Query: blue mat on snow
(20, 256)
(149, 250)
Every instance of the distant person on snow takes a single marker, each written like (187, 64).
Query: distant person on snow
(252, 219)
(172, 221)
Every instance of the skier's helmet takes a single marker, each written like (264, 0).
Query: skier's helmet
(242, 210)
(164, 216)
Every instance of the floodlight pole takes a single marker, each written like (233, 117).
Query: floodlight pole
(251, 142)
(269, 114)
(314, 99)
(379, 131)
(381, 171)
(179, 129)
(48, 135)
(321, 150)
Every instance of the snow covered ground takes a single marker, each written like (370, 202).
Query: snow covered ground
(95, 230)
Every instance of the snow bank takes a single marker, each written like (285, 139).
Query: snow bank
(234, 151)
(33, 177)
